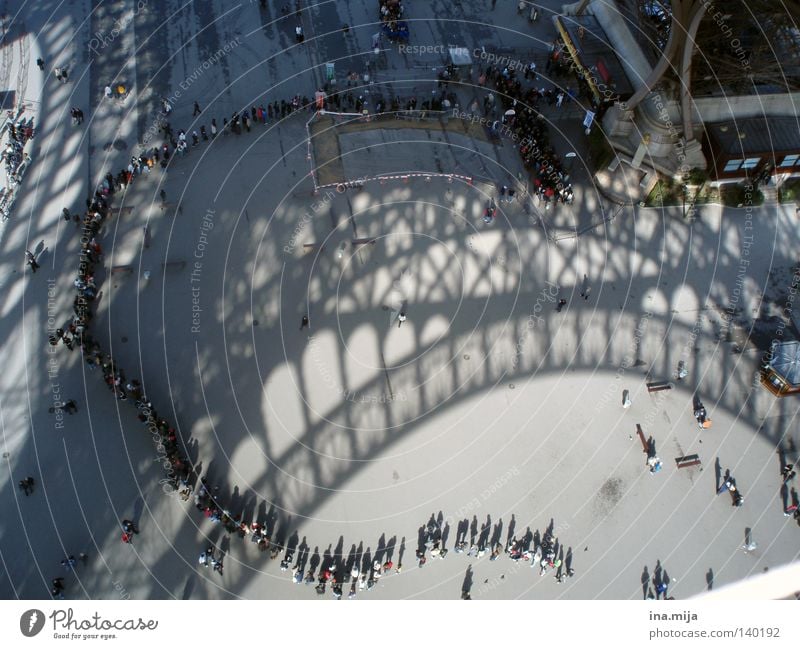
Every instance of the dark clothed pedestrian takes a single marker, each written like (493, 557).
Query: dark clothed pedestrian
(31, 260)
(26, 484)
(70, 562)
(304, 322)
(197, 110)
(129, 527)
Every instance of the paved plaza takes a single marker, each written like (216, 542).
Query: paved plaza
(437, 388)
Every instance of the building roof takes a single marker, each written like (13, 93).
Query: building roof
(786, 361)
(756, 135)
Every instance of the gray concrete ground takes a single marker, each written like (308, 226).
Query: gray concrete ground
(487, 405)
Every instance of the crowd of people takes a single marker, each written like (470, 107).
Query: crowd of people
(390, 11)
(17, 135)
(520, 109)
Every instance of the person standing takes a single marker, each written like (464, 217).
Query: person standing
(129, 527)
(401, 319)
(26, 484)
(298, 34)
(213, 128)
(304, 322)
(40, 63)
(29, 257)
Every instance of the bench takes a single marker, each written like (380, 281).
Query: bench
(687, 460)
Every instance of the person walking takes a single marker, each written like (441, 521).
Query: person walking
(197, 110)
(401, 319)
(586, 288)
(40, 63)
(304, 322)
(561, 304)
(298, 34)
(70, 407)
(787, 473)
(31, 260)
(213, 128)
(26, 484)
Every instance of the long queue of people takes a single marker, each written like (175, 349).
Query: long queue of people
(520, 113)
(179, 474)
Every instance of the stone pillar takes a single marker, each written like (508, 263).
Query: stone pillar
(636, 163)
(618, 122)
(694, 155)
